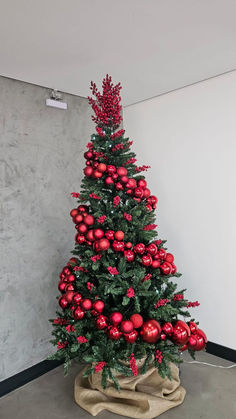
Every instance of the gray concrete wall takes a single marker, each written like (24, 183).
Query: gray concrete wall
(41, 161)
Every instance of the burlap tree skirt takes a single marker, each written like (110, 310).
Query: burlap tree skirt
(144, 396)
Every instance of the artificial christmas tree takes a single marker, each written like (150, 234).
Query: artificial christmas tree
(119, 305)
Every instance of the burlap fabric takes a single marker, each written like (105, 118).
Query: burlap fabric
(144, 396)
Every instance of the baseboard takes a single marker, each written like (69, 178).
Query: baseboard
(24, 377)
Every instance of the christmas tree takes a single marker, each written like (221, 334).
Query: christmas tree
(119, 303)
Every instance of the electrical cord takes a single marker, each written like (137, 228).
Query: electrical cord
(211, 365)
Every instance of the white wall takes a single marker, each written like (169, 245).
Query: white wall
(189, 139)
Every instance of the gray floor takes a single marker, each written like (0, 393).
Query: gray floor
(210, 395)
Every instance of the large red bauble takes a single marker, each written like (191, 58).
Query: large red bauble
(162, 253)
(118, 246)
(192, 327)
(73, 212)
(116, 318)
(109, 180)
(122, 171)
(192, 342)
(131, 184)
(115, 176)
(77, 298)
(124, 179)
(78, 219)
(102, 167)
(90, 236)
(88, 155)
(138, 192)
(82, 228)
(98, 306)
(97, 174)
(114, 333)
(167, 328)
(88, 171)
(78, 313)
(103, 244)
(146, 260)
(156, 264)
(86, 304)
(180, 335)
(200, 345)
(101, 322)
(126, 326)
(98, 233)
(89, 220)
(79, 238)
(109, 234)
(201, 333)
(95, 164)
(174, 269)
(119, 186)
(66, 270)
(139, 248)
(146, 193)
(151, 331)
(63, 302)
(69, 296)
(71, 278)
(151, 249)
(142, 184)
(119, 235)
(166, 268)
(181, 323)
(62, 276)
(131, 337)
(152, 200)
(62, 286)
(111, 169)
(129, 255)
(128, 245)
(169, 258)
(137, 320)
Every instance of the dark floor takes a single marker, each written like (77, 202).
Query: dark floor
(210, 395)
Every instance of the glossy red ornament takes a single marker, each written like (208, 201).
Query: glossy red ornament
(129, 192)
(173, 269)
(149, 208)
(77, 298)
(124, 179)
(88, 171)
(118, 246)
(131, 337)
(180, 335)
(109, 180)
(126, 326)
(102, 167)
(146, 193)
(162, 253)
(69, 287)
(122, 171)
(74, 212)
(169, 258)
(71, 278)
(129, 255)
(101, 322)
(66, 270)
(167, 328)
(146, 260)
(103, 244)
(111, 169)
(166, 268)
(151, 331)
(181, 323)
(62, 286)
(137, 320)
(69, 296)
(128, 245)
(83, 208)
(152, 249)
(86, 304)
(89, 220)
(138, 192)
(131, 184)
(97, 174)
(90, 235)
(78, 219)
(109, 234)
(88, 155)
(152, 200)
(82, 228)
(115, 176)
(139, 248)
(114, 333)
(72, 261)
(119, 186)
(78, 313)
(98, 306)
(98, 233)
(183, 348)
(193, 327)
(79, 238)
(163, 336)
(142, 184)
(63, 302)
(119, 235)
(156, 264)
(116, 318)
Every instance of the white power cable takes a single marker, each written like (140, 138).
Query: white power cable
(211, 365)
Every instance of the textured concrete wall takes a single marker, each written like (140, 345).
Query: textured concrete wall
(41, 160)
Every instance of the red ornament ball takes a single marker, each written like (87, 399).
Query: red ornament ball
(90, 235)
(119, 187)
(98, 306)
(78, 313)
(166, 268)
(103, 244)
(124, 179)
(174, 269)
(86, 304)
(169, 258)
(146, 193)
(101, 322)
(139, 248)
(131, 184)
(167, 328)
(116, 318)
(69, 296)
(128, 245)
(152, 249)
(66, 270)
(129, 255)
(118, 246)
(146, 260)
(192, 327)
(109, 234)
(162, 253)
(138, 192)
(77, 298)
(114, 333)
(137, 320)
(156, 264)
(102, 167)
(126, 326)
(89, 220)
(62, 286)
(119, 235)
(74, 212)
(122, 171)
(69, 287)
(80, 239)
(142, 184)
(78, 219)
(180, 335)
(151, 331)
(71, 278)
(131, 337)
(111, 169)
(63, 302)
(98, 233)
(109, 181)
(82, 228)
(88, 155)
(97, 174)
(88, 171)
